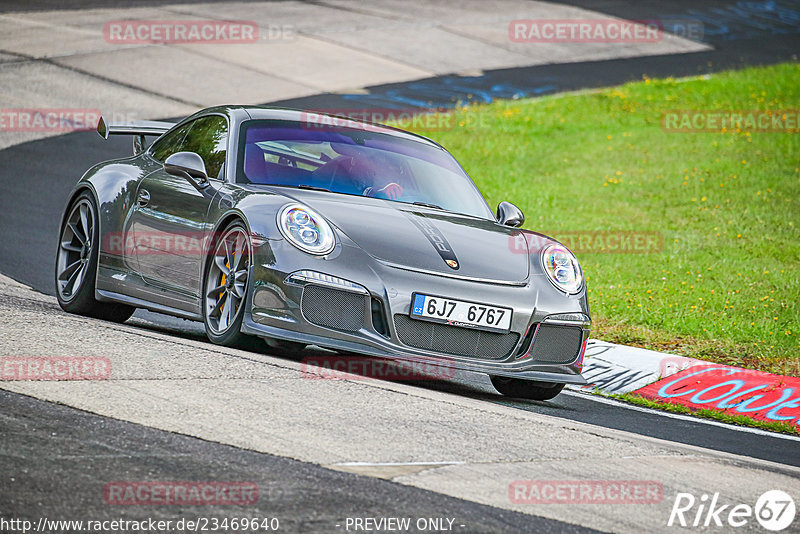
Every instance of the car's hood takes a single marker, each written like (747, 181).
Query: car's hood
(420, 238)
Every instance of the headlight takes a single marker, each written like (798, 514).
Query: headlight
(562, 268)
(306, 229)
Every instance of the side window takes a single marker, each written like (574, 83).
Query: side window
(209, 138)
(170, 143)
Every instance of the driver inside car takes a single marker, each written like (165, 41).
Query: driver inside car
(392, 191)
(360, 175)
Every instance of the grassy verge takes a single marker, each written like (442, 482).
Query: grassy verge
(740, 420)
(724, 284)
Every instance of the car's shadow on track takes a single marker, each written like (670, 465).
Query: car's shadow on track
(170, 330)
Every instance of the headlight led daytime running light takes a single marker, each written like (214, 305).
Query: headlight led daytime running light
(306, 229)
(562, 268)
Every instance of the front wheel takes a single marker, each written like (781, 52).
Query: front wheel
(225, 288)
(526, 389)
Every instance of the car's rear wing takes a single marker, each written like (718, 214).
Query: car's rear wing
(139, 129)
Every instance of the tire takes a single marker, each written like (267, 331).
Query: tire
(76, 264)
(224, 297)
(526, 389)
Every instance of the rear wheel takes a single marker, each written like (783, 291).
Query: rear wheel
(225, 288)
(76, 264)
(526, 389)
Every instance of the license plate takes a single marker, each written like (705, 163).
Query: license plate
(460, 313)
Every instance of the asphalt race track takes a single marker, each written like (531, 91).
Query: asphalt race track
(305, 497)
(71, 452)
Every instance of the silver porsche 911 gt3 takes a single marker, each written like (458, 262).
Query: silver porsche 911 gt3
(308, 229)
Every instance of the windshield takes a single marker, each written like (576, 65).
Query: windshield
(355, 161)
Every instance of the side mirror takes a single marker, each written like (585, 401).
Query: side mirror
(509, 215)
(188, 165)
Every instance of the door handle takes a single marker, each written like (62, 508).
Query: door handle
(143, 198)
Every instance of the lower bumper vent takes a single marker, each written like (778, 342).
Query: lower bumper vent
(454, 340)
(332, 308)
(557, 344)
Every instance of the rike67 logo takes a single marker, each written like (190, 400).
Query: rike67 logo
(774, 510)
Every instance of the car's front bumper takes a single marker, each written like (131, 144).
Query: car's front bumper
(275, 310)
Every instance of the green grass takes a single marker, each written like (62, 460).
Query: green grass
(726, 284)
(716, 415)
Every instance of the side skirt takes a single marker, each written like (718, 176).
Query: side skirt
(110, 296)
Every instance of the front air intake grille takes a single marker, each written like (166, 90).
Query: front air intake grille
(557, 344)
(379, 322)
(454, 340)
(332, 308)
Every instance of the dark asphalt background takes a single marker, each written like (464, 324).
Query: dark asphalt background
(55, 460)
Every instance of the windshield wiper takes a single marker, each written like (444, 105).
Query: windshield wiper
(301, 186)
(427, 205)
(312, 188)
